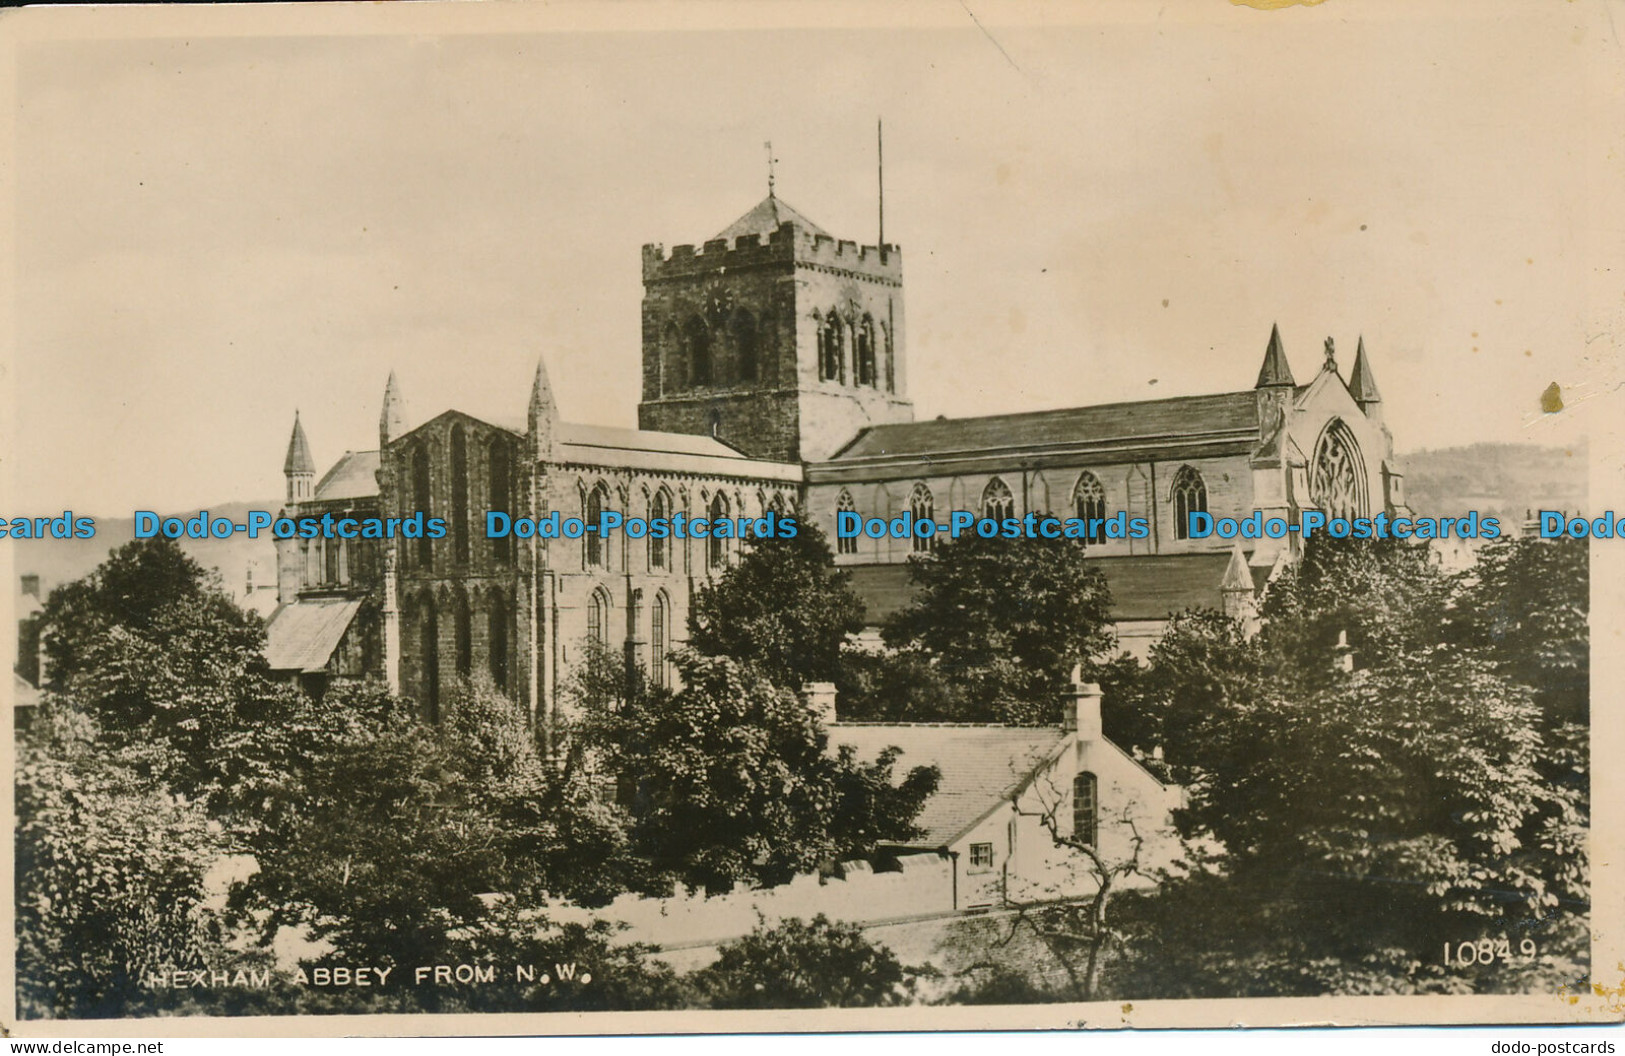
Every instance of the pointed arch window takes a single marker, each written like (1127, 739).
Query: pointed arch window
(1337, 483)
(598, 616)
(891, 359)
(464, 637)
(501, 496)
(697, 345)
(717, 547)
(1086, 809)
(422, 500)
(673, 371)
(459, 495)
(659, 549)
(1089, 501)
(659, 638)
(831, 349)
(997, 501)
(597, 546)
(1190, 496)
(496, 632)
(865, 346)
(742, 331)
(844, 504)
(922, 505)
(429, 656)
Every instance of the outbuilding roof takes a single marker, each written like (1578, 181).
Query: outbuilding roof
(981, 766)
(301, 635)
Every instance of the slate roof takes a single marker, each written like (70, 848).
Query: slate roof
(355, 476)
(981, 766)
(1118, 431)
(765, 217)
(648, 449)
(1144, 586)
(302, 635)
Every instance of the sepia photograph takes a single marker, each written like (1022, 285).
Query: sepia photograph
(812, 517)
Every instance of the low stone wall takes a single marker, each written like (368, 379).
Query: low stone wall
(921, 885)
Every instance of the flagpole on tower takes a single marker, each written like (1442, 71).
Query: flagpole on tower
(769, 147)
(880, 158)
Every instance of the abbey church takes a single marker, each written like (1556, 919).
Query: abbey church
(775, 377)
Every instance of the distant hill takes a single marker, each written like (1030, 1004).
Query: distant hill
(1500, 480)
(58, 561)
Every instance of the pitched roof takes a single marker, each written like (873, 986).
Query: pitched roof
(648, 449)
(981, 765)
(354, 476)
(765, 217)
(1143, 586)
(1118, 428)
(302, 635)
(298, 460)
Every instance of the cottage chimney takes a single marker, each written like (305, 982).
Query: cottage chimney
(31, 586)
(1082, 715)
(820, 697)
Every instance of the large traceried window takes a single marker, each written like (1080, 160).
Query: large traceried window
(459, 495)
(1190, 496)
(1337, 482)
(717, 547)
(422, 500)
(997, 502)
(501, 496)
(1086, 809)
(1089, 500)
(922, 506)
(844, 504)
(597, 546)
(659, 549)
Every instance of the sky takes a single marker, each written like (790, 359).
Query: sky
(221, 223)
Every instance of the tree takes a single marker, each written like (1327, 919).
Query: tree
(784, 608)
(730, 780)
(1007, 620)
(388, 841)
(804, 964)
(110, 871)
(151, 647)
(1527, 601)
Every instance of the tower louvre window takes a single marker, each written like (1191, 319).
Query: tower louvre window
(697, 344)
(745, 345)
(865, 345)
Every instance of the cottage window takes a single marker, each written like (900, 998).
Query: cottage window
(981, 856)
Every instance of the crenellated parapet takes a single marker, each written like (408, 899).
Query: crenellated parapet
(787, 245)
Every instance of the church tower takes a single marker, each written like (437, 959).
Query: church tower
(774, 337)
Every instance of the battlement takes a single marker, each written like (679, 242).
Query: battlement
(783, 246)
